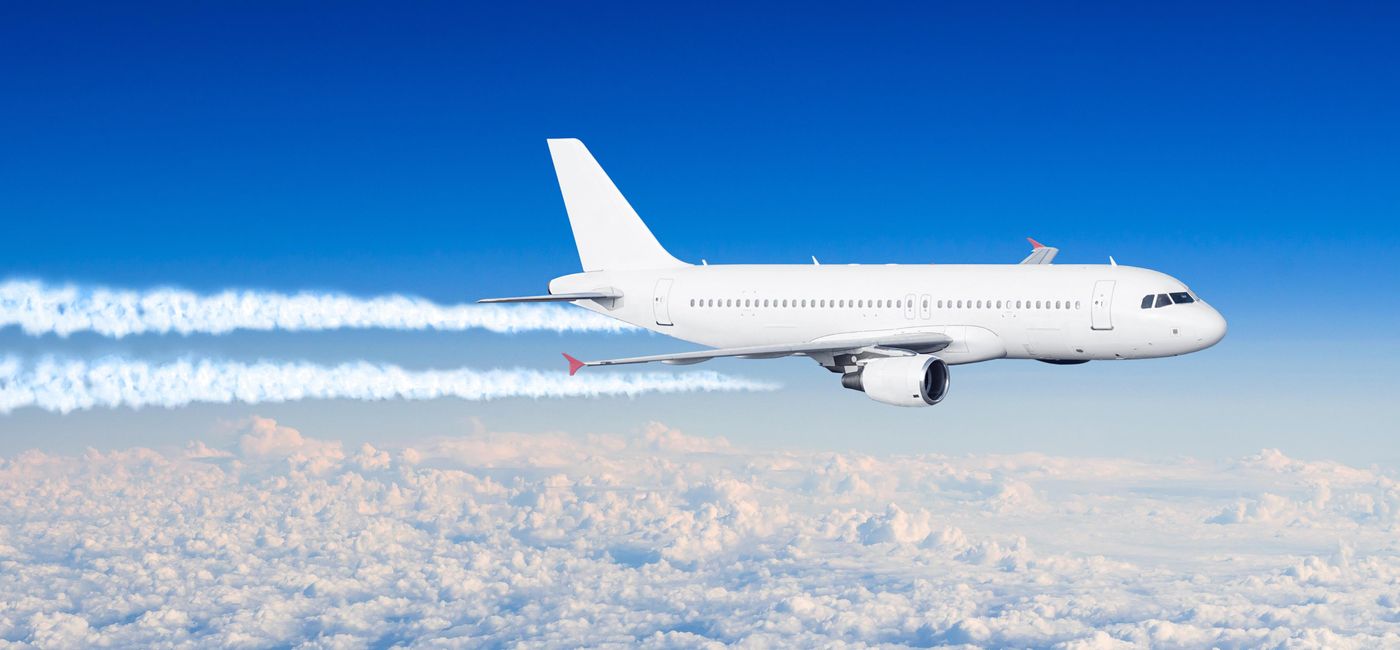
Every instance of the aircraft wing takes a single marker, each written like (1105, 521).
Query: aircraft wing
(889, 345)
(1040, 253)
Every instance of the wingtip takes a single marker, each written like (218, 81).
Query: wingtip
(574, 364)
(1034, 243)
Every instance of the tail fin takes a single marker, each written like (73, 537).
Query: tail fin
(608, 232)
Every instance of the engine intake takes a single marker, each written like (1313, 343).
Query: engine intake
(920, 380)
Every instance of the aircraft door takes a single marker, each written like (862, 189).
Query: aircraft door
(909, 307)
(1101, 308)
(661, 301)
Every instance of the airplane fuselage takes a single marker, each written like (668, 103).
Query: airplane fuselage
(1066, 313)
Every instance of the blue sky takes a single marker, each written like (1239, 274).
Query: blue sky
(368, 148)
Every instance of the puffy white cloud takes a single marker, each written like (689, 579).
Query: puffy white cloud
(38, 308)
(68, 385)
(666, 539)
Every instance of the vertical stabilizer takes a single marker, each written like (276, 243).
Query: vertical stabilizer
(608, 232)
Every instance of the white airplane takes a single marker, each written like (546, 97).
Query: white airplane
(890, 330)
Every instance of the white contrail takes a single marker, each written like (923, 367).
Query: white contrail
(39, 309)
(69, 385)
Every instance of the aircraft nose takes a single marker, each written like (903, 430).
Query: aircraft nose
(1211, 328)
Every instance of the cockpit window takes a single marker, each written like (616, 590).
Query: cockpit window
(1167, 299)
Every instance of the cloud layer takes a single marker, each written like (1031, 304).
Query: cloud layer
(670, 540)
(68, 385)
(38, 309)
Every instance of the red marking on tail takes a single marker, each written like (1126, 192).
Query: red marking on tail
(1034, 243)
(574, 364)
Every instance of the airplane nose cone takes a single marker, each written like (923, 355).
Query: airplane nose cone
(1211, 329)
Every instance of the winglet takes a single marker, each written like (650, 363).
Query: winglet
(574, 364)
(1040, 253)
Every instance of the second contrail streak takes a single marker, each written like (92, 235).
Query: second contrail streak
(69, 385)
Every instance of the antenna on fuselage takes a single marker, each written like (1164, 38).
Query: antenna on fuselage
(815, 262)
(1111, 261)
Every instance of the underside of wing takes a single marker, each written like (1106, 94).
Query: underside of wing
(881, 345)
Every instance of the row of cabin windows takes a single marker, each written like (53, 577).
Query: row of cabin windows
(749, 303)
(1163, 299)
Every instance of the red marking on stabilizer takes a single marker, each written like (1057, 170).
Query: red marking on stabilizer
(574, 364)
(1034, 243)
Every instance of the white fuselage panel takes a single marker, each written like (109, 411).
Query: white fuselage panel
(1051, 312)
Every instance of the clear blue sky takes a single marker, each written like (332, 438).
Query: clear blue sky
(374, 148)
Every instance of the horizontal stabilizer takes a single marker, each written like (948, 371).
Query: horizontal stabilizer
(559, 297)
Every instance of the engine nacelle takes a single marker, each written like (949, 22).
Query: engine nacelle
(920, 380)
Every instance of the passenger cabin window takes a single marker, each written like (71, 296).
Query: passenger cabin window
(1181, 298)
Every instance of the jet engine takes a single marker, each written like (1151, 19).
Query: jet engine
(920, 380)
